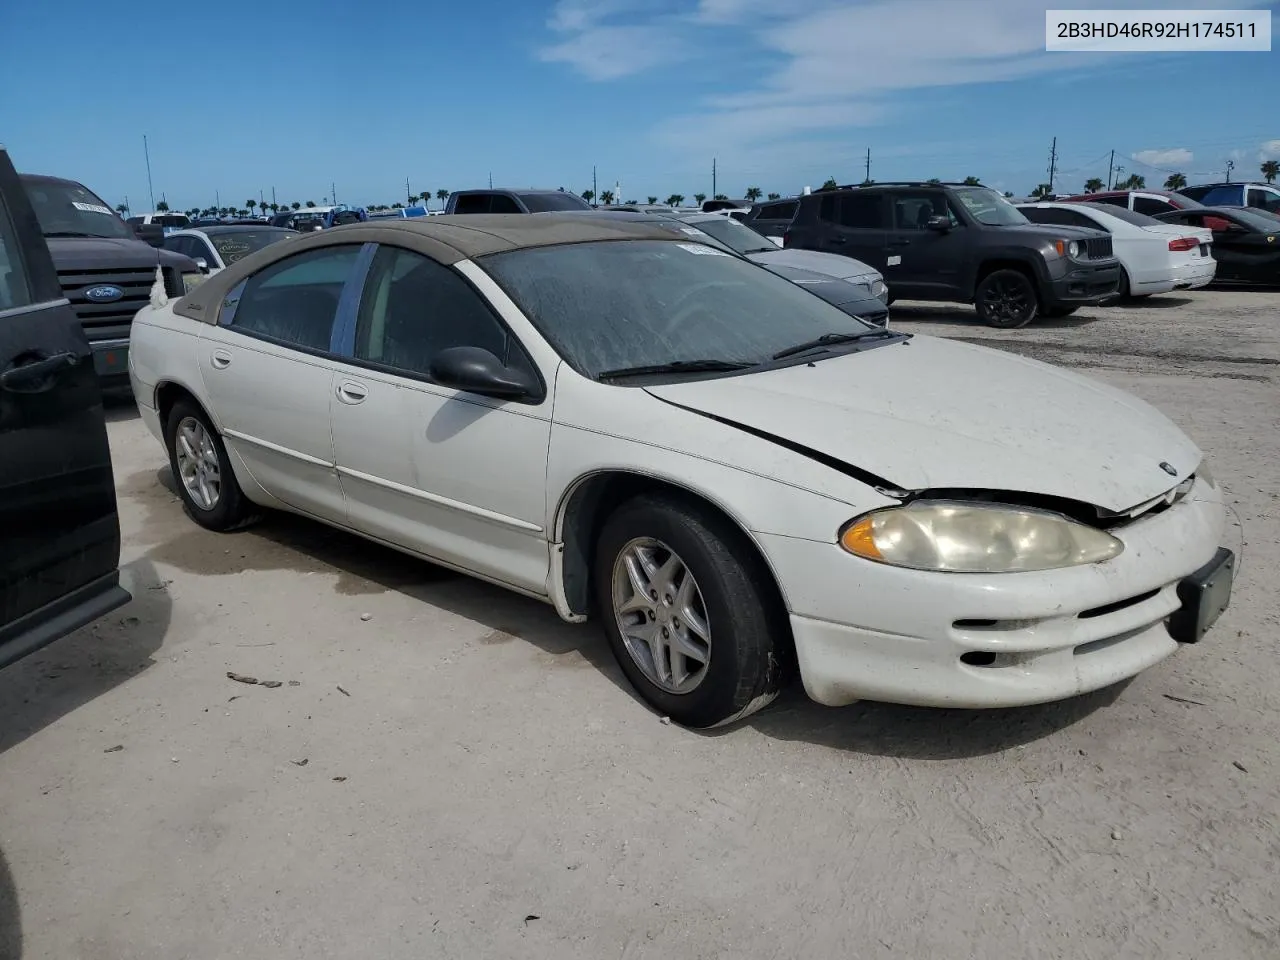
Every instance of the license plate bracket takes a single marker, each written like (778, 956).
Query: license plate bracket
(1204, 595)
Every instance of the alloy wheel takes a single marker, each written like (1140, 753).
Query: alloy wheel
(198, 467)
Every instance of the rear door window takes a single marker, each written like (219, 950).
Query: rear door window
(501, 203)
(14, 289)
(472, 203)
(1151, 205)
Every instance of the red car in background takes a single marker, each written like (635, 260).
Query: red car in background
(1150, 202)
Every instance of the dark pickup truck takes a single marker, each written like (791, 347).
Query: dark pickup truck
(961, 244)
(104, 268)
(59, 530)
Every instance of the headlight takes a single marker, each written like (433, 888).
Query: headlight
(1073, 249)
(190, 281)
(880, 289)
(958, 537)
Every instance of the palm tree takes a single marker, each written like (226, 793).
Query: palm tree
(675, 199)
(397, 205)
(699, 197)
(251, 203)
(295, 205)
(311, 203)
(122, 208)
(606, 197)
(588, 195)
(1008, 194)
(442, 195)
(829, 184)
(1270, 170)
(1175, 181)
(933, 180)
(1133, 182)
(774, 196)
(1093, 185)
(972, 182)
(652, 200)
(1041, 190)
(720, 196)
(753, 194)
(162, 207)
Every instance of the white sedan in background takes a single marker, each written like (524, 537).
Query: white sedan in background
(215, 248)
(740, 479)
(1155, 256)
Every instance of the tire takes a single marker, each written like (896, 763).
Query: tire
(1052, 313)
(229, 508)
(718, 598)
(1006, 299)
(1122, 292)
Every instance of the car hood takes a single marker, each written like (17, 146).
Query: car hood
(937, 414)
(834, 291)
(1050, 231)
(830, 264)
(106, 253)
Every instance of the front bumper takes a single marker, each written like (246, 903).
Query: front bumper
(870, 631)
(872, 310)
(1082, 285)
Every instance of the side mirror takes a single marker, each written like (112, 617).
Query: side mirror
(939, 223)
(478, 371)
(203, 264)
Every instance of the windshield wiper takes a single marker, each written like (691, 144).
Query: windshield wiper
(826, 339)
(676, 366)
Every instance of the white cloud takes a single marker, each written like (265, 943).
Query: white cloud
(1175, 157)
(1269, 150)
(599, 47)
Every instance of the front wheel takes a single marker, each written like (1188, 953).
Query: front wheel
(208, 488)
(1006, 299)
(693, 618)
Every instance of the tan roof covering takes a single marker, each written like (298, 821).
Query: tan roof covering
(444, 239)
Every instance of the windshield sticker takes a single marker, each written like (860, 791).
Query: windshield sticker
(234, 250)
(894, 261)
(701, 250)
(92, 208)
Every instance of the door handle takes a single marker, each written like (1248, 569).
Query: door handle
(351, 392)
(837, 240)
(220, 359)
(37, 376)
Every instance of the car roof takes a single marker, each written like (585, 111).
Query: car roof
(445, 239)
(215, 230)
(517, 190)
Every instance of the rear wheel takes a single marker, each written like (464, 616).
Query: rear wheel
(208, 488)
(692, 616)
(1006, 299)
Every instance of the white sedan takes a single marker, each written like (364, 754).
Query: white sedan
(1155, 256)
(215, 248)
(740, 480)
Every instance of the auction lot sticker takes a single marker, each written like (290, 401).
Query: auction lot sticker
(1166, 31)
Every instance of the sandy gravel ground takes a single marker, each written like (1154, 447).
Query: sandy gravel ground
(462, 775)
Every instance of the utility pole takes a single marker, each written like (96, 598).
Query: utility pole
(714, 194)
(150, 189)
(490, 179)
(1053, 163)
(273, 197)
(1231, 165)
(217, 201)
(1119, 170)
(595, 192)
(408, 197)
(868, 179)
(1110, 167)
(333, 193)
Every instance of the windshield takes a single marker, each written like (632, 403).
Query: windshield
(625, 303)
(733, 234)
(233, 247)
(171, 220)
(546, 202)
(69, 210)
(1256, 220)
(988, 207)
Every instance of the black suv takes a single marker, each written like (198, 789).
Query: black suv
(513, 201)
(960, 244)
(59, 531)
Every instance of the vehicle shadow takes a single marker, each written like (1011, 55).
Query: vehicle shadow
(40, 689)
(1157, 301)
(919, 733)
(966, 316)
(10, 915)
(118, 406)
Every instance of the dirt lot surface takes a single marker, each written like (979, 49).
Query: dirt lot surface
(448, 770)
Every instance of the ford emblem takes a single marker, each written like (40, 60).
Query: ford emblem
(103, 293)
(1168, 468)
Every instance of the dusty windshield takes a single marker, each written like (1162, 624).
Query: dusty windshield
(733, 234)
(988, 207)
(618, 304)
(69, 210)
(233, 247)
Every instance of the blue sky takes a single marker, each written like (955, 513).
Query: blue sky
(239, 97)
